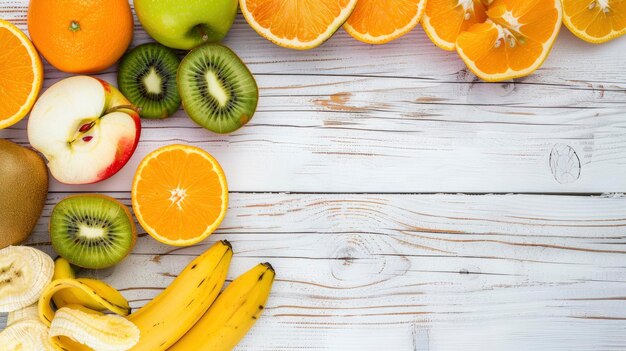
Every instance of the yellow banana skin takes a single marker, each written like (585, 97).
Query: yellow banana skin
(70, 296)
(63, 270)
(105, 291)
(231, 316)
(46, 313)
(172, 313)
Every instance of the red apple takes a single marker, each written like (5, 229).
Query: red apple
(85, 128)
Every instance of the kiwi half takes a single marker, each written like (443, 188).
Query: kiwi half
(217, 89)
(92, 231)
(147, 77)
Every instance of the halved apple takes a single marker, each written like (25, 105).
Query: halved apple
(85, 128)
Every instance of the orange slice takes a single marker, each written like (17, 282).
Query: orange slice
(179, 194)
(514, 41)
(381, 21)
(21, 74)
(595, 21)
(444, 20)
(296, 24)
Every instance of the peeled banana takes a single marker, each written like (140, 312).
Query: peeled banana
(77, 328)
(24, 273)
(46, 313)
(187, 315)
(72, 296)
(231, 316)
(26, 335)
(173, 312)
(29, 312)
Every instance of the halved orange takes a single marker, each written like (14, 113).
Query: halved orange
(514, 41)
(444, 20)
(297, 24)
(381, 21)
(21, 74)
(595, 21)
(179, 194)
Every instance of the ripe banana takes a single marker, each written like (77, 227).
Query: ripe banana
(26, 335)
(30, 312)
(46, 313)
(173, 312)
(231, 316)
(71, 296)
(24, 273)
(78, 328)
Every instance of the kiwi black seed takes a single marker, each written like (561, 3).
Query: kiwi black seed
(217, 89)
(92, 231)
(147, 77)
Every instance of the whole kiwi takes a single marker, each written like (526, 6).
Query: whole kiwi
(23, 191)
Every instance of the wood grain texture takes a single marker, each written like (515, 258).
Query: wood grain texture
(405, 117)
(419, 272)
(405, 271)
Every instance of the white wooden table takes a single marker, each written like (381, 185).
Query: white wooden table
(405, 204)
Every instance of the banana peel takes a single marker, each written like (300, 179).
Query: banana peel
(72, 296)
(46, 313)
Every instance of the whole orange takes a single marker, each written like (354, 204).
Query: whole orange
(80, 36)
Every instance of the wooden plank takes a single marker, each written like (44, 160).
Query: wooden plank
(409, 272)
(427, 272)
(405, 117)
(576, 152)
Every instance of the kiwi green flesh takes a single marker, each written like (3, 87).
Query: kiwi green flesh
(147, 77)
(217, 89)
(91, 231)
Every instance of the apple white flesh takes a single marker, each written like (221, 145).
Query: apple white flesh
(86, 129)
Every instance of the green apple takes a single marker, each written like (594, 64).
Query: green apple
(185, 24)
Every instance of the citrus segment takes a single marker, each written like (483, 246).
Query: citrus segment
(21, 74)
(381, 21)
(179, 194)
(297, 24)
(514, 41)
(595, 21)
(444, 20)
